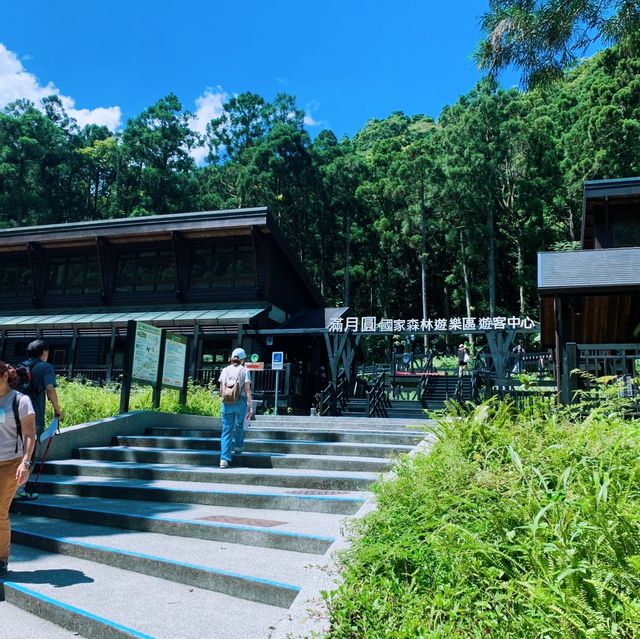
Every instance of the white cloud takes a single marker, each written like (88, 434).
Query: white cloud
(208, 106)
(309, 120)
(17, 83)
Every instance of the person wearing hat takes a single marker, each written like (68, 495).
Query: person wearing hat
(235, 391)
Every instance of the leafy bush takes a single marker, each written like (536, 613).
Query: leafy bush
(515, 525)
(85, 402)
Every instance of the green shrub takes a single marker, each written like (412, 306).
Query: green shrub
(83, 403)
(515, 525)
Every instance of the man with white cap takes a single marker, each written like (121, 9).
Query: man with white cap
(235, 392)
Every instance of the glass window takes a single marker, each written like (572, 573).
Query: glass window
(74, 281)
(244, 266)
(15, 279)
(166, 280)
(126, 275)
(222, 267)
(73, 274)
(222, 270)
(201, 268)
(146, 271)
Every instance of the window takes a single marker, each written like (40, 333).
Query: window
(75, 274)
(146, 271)
(222, 267)
(15, 278)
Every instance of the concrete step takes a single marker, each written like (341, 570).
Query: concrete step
(20, 624)
(339, 423)
(262, 574)
(119, 514)
(248, 460)
(325, 525)
(267, 446)
(318, 435)
(99, 601)
(200, 493)
(319, 480)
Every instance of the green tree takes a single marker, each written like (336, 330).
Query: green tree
(157, 174)
(544, 38)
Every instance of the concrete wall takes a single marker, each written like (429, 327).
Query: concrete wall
(102, 432)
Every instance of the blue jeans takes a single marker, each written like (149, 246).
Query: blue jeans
(233, 415)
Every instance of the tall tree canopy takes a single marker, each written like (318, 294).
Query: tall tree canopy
(411, 217)
(543, 38)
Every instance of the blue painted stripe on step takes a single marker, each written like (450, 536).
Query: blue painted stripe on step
(78, 611)
(92, 463)
(54, 480)
(180, 564)
(282, 533)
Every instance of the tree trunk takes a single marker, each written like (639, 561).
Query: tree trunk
(423, 264)
(491, 261)
(520, 272)
(347, 247)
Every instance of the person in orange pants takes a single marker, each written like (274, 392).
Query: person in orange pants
(15, 451)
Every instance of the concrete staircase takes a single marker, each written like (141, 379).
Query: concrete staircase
(149, 538)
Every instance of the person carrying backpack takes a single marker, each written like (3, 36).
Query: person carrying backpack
(235, 393)
(17, 440)
(38, 383)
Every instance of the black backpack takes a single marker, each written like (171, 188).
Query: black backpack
(25, 384)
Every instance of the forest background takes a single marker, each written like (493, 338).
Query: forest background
(409, 217)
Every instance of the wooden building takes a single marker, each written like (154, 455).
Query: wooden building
(211, 275)
(590, 299)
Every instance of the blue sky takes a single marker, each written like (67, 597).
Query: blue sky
(345, 61)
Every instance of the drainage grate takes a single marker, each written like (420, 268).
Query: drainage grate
(243, 521)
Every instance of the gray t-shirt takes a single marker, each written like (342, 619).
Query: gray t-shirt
(8, 430)
(236, 371)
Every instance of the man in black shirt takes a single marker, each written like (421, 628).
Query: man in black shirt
(43, 383)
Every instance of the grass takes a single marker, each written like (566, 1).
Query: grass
(83, 403)
(516, 525)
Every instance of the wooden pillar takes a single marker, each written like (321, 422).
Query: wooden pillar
(125, 389)
(557, 308)
(72, 355)
(195, 350)
(572, 378)
(157, 387)
(112, 353)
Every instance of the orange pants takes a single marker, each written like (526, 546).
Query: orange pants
(8, 485)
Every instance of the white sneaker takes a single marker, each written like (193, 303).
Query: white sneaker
(224, 463)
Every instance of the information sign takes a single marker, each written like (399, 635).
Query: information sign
(175, 355)
(255, 358)
(254, 366)
(146, 353)
(277, 360)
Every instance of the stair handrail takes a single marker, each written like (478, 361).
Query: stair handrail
(327, 401)
(377, 401)
(342, 390)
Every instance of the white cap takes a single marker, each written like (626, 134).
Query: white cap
(239, 353)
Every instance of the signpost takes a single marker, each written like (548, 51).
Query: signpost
(277, 364)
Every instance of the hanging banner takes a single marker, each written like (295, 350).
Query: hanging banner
(175, 355)
(146, 353)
